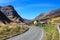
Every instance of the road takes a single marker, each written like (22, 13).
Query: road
(34, 33)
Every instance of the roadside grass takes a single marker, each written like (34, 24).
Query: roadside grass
(11, 30)
(51, 32)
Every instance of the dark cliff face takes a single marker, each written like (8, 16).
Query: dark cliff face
(4, 18)
(11, 13)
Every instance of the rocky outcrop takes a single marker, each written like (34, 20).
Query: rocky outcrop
(11, 13)
(4, 18)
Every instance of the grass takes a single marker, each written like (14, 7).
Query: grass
(51, 32)
(11, 30)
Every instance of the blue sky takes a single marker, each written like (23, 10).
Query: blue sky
(29, 9)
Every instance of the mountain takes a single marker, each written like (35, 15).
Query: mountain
(48, 15)
(54, 13)
(11, 13)
(26, 20)
(41, 16)
(4, 18)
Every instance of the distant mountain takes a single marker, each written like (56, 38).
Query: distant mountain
(26, 20)
(11, 13)
(51, 14)
(41, 16)
(54, 13)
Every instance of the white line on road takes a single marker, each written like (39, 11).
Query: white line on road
(41, 38)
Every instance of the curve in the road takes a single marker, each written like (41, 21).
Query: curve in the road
(34, 33)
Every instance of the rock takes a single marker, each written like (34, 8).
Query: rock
(4, 18)
(11, 13)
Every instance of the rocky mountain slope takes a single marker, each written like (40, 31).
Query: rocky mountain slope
(4, 18)
(8, 14)
(41, 16)
(51, 14)
(54, 13)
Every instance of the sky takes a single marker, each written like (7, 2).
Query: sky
(29, 9)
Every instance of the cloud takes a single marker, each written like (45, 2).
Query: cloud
(6, 1)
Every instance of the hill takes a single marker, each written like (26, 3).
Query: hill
(48, 15)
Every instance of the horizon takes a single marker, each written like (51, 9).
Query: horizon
(29, 9)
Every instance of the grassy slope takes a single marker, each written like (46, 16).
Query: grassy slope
(11, 30)
(51, 32)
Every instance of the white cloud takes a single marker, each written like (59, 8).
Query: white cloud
(6, 1)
